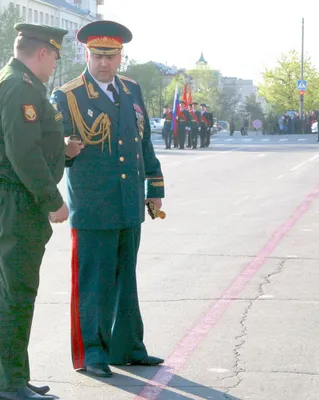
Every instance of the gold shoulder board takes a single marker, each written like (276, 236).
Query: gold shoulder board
(125, 78)
(75, 83)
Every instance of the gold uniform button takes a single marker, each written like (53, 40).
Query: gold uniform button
(138, 156)
(138, 173)
(120, 141)
(123, 176)
(121, 159)
(136, 139)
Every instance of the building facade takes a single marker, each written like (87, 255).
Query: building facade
(70, 15)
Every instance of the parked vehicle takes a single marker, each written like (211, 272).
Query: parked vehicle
(157, 124)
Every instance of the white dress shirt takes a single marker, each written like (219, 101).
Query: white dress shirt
(103, 86)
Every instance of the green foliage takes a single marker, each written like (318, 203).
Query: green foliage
(205, 86)
(253, 108)
(279, 86)
(67, 69)
(8, 18)
(151, 83)
(227, 103)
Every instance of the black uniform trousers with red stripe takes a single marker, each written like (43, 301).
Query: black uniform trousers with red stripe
(106, 321)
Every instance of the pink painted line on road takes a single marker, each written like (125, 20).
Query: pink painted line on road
(193, 338)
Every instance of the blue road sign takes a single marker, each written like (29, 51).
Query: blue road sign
(302, 85)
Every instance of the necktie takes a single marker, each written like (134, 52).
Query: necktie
(116, 96)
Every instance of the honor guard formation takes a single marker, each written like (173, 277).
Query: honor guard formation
(191, 124)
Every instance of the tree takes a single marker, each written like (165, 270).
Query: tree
(150, 80)
(279, 86)
(227, 102)
(253, 108)
(68, 67)
(8, 18)
(205, 86)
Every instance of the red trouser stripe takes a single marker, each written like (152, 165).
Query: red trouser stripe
(76, 334)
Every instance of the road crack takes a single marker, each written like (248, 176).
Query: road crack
(238, 367)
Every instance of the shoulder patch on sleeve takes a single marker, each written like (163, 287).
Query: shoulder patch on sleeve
(75, 83)
(30, 113)
(125, 78)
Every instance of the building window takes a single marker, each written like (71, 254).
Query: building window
(66, 24)
(36, 16)
(76, 27)
(52, 20)
(47, 19)
(41, 17)
(57, 22)
(18, 9)
(24, 13)
(63, 23)
(30, 15)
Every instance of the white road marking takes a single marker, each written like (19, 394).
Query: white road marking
(241, 200)
(218, 370)
(280, 176)
(299, 166)
(283, 140)
(266, 296)
(261, 155)
(305, 162)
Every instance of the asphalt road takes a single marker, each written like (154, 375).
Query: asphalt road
(228, 282)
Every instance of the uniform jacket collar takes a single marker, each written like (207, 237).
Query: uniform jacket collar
(29, 76)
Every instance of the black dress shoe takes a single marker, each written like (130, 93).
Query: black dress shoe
(39, 389)
(148, 361)
(100, 370)
(23, 394)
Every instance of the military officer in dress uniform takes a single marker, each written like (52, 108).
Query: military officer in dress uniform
(204, 126)
(32, 158)
(106, 198)
(195, 123)
(167, 116)
(183, 123)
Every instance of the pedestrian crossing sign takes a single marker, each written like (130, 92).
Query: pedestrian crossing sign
(302, 85)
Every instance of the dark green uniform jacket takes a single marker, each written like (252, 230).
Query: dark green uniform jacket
(31, 136)
(106, 182)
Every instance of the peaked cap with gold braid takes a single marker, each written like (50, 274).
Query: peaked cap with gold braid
(42, 33)
(104, 37)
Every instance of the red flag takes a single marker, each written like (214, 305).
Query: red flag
(190, 99)
(185, 95)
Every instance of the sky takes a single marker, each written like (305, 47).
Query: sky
(238, 37)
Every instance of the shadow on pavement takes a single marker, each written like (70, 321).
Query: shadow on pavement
(185, 387)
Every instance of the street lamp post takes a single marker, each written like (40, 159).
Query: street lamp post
(301, 108)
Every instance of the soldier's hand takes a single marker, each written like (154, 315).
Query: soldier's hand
(72, 148)
(59, 216)
(157, 202)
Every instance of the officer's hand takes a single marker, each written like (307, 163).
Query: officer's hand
(157, 202)
(59, 216)
(72, 149)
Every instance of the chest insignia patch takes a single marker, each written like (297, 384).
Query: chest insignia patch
(30, 114)
(58, 116)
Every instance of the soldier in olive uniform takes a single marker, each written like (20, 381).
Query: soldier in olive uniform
(195, 123)
(106, 197)
(183, 123)
(167, 116)
(32, 158)
(204, 126)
